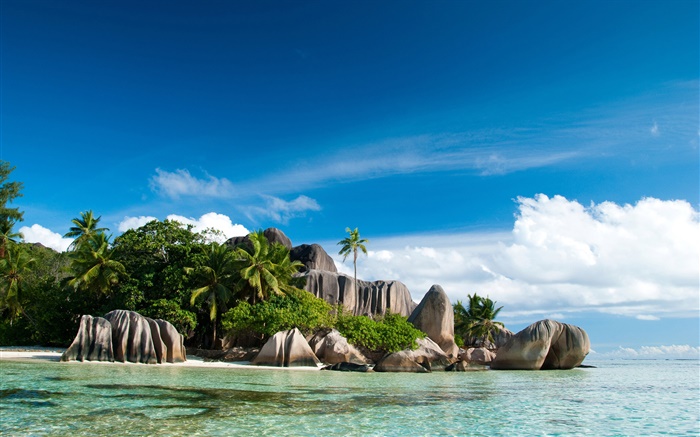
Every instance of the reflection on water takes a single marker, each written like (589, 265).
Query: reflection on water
(628, 398)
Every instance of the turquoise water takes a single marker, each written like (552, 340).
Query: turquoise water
(617, 398)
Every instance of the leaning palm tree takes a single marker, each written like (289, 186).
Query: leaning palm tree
(14, 268)
(93, 267)
(258, 265)
(7, 234)
(85, 227)
(477, 321)
(215, 279)
(350, 245)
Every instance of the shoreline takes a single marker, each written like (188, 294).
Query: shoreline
(54, 355)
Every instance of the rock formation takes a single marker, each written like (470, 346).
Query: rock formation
(480, 355)
(434, 316)
(465, 366)
(126, 336)
(546, 344)
(371, 298)
(313, 257)
(286, 349)
(428, 357)
(331, 348)
(273, 235)
(93, 342)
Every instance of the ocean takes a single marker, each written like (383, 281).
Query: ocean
(617, 398)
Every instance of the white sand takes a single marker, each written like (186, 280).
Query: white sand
(192, 361)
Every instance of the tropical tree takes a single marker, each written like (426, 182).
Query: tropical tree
(265, 269)
(215, 279)
(352, 244)
(476, 323)
(14, 269)
(85, 227)
(93, 267)
(7, 234)
(8, 192)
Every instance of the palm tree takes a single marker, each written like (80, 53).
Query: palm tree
(261, 264)
(85, 227)
(350, 245)
(215, 279)
(13, 268)
(93, 268)
(477, 321)
(7, 235)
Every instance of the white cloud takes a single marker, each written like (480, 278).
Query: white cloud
(182, 183)
(655, 129)
(281, 211)
(39, 234)
(134, 222)
(212, 220)
(647, 317)
(653, 352)
(638, 260)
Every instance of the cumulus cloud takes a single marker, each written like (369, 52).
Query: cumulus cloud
(181, 183)
(653, 352)
(561, 257)
(134, 222)
(215, 221)
(39, 234)
(281, 211)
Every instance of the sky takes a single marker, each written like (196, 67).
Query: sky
(542, 153)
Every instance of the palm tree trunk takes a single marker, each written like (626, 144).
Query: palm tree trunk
(354, 261)
(213, 338)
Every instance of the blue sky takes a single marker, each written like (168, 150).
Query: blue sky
(495, 141)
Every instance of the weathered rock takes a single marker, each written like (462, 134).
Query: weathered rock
(371, 298)
(348, 367)
(332, 348)
(478, 355)
(434, 316)
(465, 366)
(429, 356)
(158, 345)
(546, 344)
(93, 341)
(174, 342)
(313, 257)
(286, 349)
(273, 235)
(131, 337)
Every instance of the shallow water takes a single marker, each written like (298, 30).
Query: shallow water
(617, 398)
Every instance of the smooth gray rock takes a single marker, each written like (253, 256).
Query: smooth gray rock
(480, 355)
(273, 235)
(158, 345)
(434, 316)
(465, 366)
(313, 257)
(428, 357)
(546, 344)
(174, 342)
(371, 298)
(332, 348)
(286, 349)
(131, 337)
(93, 341)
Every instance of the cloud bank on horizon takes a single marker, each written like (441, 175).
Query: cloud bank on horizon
(561, 257)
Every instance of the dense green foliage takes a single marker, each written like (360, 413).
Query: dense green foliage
(390, 333)
(475, 324)
(296, 309)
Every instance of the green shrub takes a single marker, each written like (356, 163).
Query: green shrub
(391, 333)
(183, 320)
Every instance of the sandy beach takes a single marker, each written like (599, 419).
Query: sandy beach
(53, 354)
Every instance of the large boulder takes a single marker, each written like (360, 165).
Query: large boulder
(313, 257)
(286, 349)
(434, 316)
(331, 348)
(370, 298)
(131, 337)
(93, 341)
(546, 344)
(479, 355)
(173, 341)
(428, 357)
(273, 235)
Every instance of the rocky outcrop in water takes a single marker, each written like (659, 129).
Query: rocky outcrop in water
(434, 316)
(93, 341)
(331, 348)
(370, 298)
(546, 344)
(126, 336)
(479, 355)
(428, 357)
(286, 349)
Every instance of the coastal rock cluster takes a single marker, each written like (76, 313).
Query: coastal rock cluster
(126, 336)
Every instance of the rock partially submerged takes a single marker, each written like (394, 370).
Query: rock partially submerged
(434, 316)
(126, 336)
(478, 356)
(428, 357)
(546, 344)
(286, 349)
(348, 367)
(331, 347)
